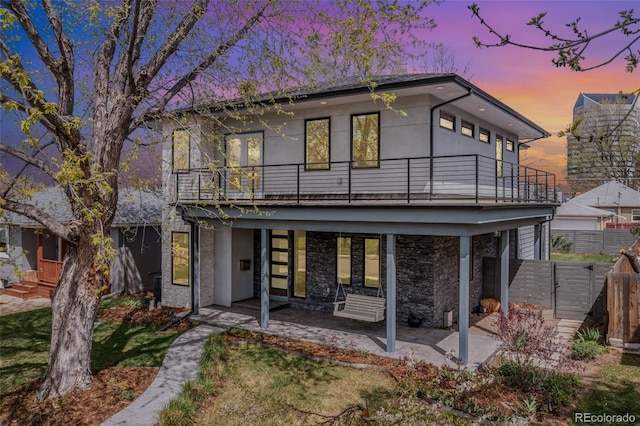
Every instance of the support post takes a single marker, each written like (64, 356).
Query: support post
(391, 293)
(264, 282)
(504, 272)
(463, 309)
(195, 268)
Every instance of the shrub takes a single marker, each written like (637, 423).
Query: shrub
(584, 349)
(560, 245)
(559, 389)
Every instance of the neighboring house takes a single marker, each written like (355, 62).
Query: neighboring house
(400, 205)
(605, 144)
(575, 216)
(616, 198)
(35, 256)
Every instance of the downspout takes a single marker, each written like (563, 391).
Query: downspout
(431, 144)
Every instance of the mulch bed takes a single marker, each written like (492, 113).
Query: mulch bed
(137, 317)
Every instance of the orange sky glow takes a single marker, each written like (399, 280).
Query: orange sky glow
(526, 80)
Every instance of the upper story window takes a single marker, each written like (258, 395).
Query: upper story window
(635, 215)
(365, 140)
(447, 121)
(467, 129)
(180, 143)
(509, 145)
(499, 166)
(484, 136)
(316, 143)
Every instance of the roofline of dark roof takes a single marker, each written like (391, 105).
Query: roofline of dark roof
(429, 79)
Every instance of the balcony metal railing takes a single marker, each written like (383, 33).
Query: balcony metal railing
(469, 178)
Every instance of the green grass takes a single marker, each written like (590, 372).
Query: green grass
(581, 257)
(25, 339)
(257, 385)
(616, 390)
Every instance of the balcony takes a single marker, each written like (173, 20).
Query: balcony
(419, 180)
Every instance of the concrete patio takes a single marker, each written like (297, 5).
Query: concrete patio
(431, 345)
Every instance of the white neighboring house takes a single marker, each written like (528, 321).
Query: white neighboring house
(575, 216)
(31, 258)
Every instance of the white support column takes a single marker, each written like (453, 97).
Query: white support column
(391, 293)
(463, 309)
(504, 272)
(264, 283)
(537, 245)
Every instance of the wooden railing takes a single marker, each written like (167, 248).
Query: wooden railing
(49, 270)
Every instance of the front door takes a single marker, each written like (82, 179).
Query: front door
(244, 160)
(279, 282)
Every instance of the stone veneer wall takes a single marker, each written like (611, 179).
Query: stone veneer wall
(426, 266)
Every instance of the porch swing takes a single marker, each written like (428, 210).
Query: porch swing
(359, 307)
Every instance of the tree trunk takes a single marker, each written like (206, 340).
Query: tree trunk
(74, 308)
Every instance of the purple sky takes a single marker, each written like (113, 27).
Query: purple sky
(527, 80)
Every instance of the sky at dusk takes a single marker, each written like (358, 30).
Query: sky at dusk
(526, 80)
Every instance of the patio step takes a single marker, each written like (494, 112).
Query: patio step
(18, 292)
(27, 289)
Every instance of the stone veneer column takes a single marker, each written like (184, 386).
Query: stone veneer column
(391, 293)
(504, 272)
(463, 308)
(264, 283)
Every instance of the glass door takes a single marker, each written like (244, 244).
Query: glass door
(279, 283)
(244, 160)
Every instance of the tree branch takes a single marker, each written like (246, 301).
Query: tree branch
(28, 159)
(40, 216)
(159, 106)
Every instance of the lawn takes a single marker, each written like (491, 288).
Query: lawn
(582, 257)
(616, 389)
(25, 338)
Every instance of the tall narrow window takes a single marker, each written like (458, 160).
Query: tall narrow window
(180, 258)
(4, 239)
(180, 141)
(372, 262)
(365, 140)
(498, 156)
(316, 136)
(300, 263)
(344, 260)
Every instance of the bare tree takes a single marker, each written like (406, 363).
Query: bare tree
(78, 93)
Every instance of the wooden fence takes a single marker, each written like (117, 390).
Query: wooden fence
(606, 241)
(622, 295)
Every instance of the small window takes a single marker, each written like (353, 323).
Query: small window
(180, 258)
(365, 140)
(344, 260)
(316, 136)
(484, 136)
(4, 239)
(635, 215)
(180, 151)
(447, 121)
(509, 145)
(467, 129)
(372, 262)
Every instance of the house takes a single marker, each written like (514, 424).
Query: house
(32, 258)
(604, 144)
(575, 216)
(616, 198)
(342, 193)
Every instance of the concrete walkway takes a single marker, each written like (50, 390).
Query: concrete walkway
(12, 305)
(181, 363)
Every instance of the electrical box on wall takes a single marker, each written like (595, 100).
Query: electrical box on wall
(245, 264)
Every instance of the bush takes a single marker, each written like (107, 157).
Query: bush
(560, 245)
(559, 389)
(589, 335)
(584, 349)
